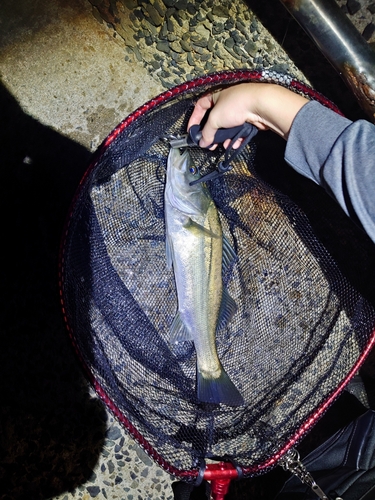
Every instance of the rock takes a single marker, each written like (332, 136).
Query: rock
(149, 28)
(181, 4)
(209, 68)
(186, 46)
(269, 44)
(242, 28)
(110, 466)
(170, 11)
(217, 28)
(93, 491)
(137, 53)
(153, 15)
(166, 85)
(193, 23)
(229, 24)
(160, 7)
(220, 53)
(353, 6)
(199, 41)
(163, 46)
(211, 44)
(229, 43)
(219, 11)
(114, 433)
(232, 53)
(239, 51)
(134, 21)
(237, 37)
(371, 8)
(368, 31)
(169, 3)
(179, 59)
(344, 8)
(253, 26)
(198, 49)
(191, 9)
(138, 14)
(190, 59)
(129, 4)
(201, 16)
(170, 25)
(251, 48)
(179, 18)
(163, 33)
(171, 37)
(202, 31)
(176, 47)
(155, 65)
(205, 57)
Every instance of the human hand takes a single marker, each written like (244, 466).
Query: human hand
(267, 106)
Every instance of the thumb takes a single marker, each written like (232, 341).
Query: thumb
(200, 109)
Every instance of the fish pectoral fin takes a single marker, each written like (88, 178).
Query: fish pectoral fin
(179, 332)
(229, 255)
(218, 390)
(169, 252)
(228, 309)
(197, 229)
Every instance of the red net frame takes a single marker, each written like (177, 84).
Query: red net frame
(220, 475)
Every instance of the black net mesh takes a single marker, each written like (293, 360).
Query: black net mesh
(299, 329)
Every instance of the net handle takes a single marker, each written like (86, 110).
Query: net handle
(220, 475)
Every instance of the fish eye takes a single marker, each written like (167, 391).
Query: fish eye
(193, 170)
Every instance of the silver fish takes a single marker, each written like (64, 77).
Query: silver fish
(196, 249)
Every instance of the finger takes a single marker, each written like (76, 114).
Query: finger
(208, 133)
(236, 145)
(208, 137)
(200, 109)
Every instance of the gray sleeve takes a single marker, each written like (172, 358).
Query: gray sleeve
(339, 155)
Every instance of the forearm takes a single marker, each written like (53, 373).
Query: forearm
(276, 106)
(339, 155)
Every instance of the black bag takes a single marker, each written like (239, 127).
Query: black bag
(343, 466)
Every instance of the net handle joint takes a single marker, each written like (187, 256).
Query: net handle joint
(220, 475)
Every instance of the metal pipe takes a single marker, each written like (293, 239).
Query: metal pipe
(342, 44)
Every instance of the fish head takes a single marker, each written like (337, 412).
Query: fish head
(181, 171)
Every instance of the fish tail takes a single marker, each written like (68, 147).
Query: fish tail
(218, 390)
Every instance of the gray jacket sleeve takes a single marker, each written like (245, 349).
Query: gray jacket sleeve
(339, 155)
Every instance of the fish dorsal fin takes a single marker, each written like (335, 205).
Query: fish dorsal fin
(179, 332)
(228, 308)
(198, 229)
(229, 255)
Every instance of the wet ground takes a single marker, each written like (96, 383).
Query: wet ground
(67, 78)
